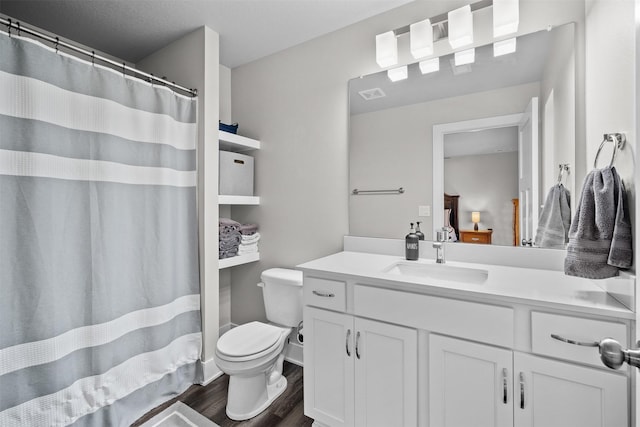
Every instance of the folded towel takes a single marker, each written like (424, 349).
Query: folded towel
(600, 234)
(229, 222)
(248, 245)
(252, 238)
(247, 249)
(248, 229)
(226, 229)
(232, 235)
(555, 219)
(229, 241)
(227, 254)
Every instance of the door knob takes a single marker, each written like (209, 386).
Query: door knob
(613, 355)
(611, 352)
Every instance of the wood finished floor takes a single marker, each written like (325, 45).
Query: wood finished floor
(211, 400)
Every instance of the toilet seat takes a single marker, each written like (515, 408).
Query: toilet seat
(250, 341)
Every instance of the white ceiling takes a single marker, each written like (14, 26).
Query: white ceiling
(249, 29)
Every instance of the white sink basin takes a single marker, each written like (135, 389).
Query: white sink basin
(438, 272)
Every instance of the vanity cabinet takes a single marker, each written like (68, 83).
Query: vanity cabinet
(482, 385)
(470, 384)
(566, 395)
(386, 351)
(359, 372)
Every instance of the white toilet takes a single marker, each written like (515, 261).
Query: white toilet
(252, 354)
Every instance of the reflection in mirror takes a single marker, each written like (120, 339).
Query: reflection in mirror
(460, 131)
(482, 166)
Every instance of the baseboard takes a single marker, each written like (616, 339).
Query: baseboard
(293, 353)
(209, 370)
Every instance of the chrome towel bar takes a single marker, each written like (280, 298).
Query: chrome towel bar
(357, 192)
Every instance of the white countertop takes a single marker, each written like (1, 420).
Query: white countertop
(529, 286)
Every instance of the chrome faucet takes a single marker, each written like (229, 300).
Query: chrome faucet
(441, 237)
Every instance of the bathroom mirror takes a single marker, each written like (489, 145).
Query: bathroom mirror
(459, 131)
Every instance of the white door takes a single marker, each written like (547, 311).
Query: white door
(469, 384)
(328, 368)
(386, 368)
(528, 170)
(557, 394)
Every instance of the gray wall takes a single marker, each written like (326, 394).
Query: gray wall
(295, 101)
(559, 140)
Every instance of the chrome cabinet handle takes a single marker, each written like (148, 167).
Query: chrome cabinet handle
(504, 385)
(346, 344)
(357, 343)
(323, 294)
(521, 390)
(574, 342)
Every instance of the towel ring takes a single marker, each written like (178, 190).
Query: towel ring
(618, 139)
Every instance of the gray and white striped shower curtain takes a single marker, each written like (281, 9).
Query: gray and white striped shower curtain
(99, 283)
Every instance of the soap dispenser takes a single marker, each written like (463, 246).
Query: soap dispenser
(418, 232)
(411, 245)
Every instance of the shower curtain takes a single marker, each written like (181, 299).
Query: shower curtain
(99, 283)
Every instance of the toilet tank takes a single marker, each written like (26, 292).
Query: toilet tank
(282, 292)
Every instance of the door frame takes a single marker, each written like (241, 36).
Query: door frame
(439, 132)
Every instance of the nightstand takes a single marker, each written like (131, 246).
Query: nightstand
(471, 236)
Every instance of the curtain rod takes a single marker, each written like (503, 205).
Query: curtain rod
(120, 66)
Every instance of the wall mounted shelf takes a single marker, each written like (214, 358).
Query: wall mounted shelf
(238, 260)
(236, 143)
(238, 200)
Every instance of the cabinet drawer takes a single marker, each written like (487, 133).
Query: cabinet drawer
(325, 293)
(491, 324)
(573, 328)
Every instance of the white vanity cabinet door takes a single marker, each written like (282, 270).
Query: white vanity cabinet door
(359, 372)
(386, 369)
(558, 394)
(469, 384)
(329, 367)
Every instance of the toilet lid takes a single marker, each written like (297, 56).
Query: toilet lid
(248, 339)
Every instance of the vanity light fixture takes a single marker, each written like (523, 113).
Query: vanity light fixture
(465, 57)
(399, 73)
(504, 47)
(421, 39)
(460, 27)
(506, 17)
(429, 66)
(386, 49)
(475, 219)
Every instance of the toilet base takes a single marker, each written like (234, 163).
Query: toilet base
(249, 396)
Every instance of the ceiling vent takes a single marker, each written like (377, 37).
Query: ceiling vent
(370, 94)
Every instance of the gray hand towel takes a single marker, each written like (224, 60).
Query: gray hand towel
(555, 219)
(600, 235)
